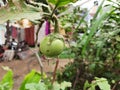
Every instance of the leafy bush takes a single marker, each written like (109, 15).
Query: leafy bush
(43, 86)
(97, 51)
(32, 77)
(100, 83)
(32, 81)
(66, 54)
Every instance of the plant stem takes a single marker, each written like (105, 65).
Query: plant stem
(53, 11)
(113, 88)
(38, 32)
(55, 69)
(53, 17)
(40, 63)
(76, 79)
(56, 29)
(28, 2)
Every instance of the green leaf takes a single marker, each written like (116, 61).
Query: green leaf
(30, 86)
(56, 86)
(60, 2)
(61, 86)
(92, 87)
(86, 85)
(32, 77)
(36, 86)
(96, 23)
(117, 38)
(65, 84)
(103, 84)
(7, 81)
(17, 10)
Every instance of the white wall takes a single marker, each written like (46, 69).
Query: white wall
(2, 33)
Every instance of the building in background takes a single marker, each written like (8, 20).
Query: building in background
(2, 34)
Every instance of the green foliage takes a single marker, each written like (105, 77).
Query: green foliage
(66, 54)
(102, 83)
(33, 81)
(96, 23)
(97, 51)
(43, 86)
(60, 2)
(17, 10)
(35, 86)
(32, 77)
(7, 81)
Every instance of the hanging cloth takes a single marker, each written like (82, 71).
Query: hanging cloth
(14, 32)
(29, 36)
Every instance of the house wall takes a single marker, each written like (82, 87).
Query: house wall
(2, 33)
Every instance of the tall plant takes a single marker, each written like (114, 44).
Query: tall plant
(92, 53)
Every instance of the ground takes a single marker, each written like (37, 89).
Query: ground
(22, 67)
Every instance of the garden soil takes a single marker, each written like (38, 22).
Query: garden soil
(22, 67)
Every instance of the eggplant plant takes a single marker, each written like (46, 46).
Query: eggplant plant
(21, 9)
(96, 52)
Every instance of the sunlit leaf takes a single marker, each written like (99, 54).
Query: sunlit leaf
(36, 86)
(103, 84)
(7, 81)
(117, 38)
(65, 84)
(60, 2)
(86, 85)
(32, 77)
(56, 86)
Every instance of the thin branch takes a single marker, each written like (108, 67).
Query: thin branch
(33, 4)
(113, 88)
(76, 79)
